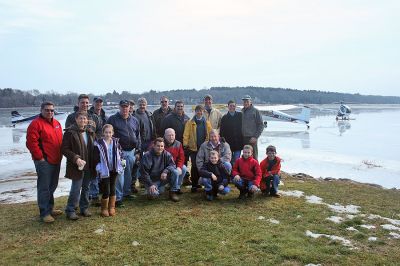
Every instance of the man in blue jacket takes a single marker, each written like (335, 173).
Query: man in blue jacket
(127, 129)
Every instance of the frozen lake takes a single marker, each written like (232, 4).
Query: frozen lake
(364, 149)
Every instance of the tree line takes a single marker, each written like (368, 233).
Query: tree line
(261, 95)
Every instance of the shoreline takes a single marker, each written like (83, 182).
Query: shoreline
(21, 193)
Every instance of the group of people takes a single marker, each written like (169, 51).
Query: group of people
(108, 155)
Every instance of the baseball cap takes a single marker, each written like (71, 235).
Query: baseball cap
(124, 102)
(208, 96)
(246, 97)
(97, 99)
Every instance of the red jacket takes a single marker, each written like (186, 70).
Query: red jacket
(275, 169)
(176, 149)
(248, 169)
(44, 139)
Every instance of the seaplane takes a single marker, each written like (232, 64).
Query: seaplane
(343, 112)
(18, 119)
(275, 113)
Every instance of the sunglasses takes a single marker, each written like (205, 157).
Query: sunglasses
(49, 110)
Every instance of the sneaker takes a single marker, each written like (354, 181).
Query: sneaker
(86, 213)
(56, 212)
(48, 219)
(119, 204)
(72, 216)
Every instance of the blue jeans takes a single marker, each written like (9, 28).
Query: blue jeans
(180, 178)
(47, 183)
(79, 193)
(272, 184)
(243, 184)
(124, 180)
(210, 186)
(235, 156)
(172, 180)
(228, 166)
(94, 187)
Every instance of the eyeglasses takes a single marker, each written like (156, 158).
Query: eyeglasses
(49, 110)
(164, 101)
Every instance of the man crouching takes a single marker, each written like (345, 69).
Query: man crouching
(157, 169)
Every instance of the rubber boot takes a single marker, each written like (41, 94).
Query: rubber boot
(104, 207)
(111, 205)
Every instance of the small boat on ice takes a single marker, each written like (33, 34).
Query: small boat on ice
(18, 119)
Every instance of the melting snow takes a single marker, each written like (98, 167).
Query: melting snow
(368, 226)
(392, 221)
(344, 241)
(372, 238)
(394, 235)
(351, 228)
(314, 199)
(292, 193)
(335, 219)
(260, 218)
(344, 209)
(390, 227)
(274, 221)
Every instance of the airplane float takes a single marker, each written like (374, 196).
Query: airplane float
(18, 119)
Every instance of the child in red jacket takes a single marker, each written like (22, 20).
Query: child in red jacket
(271, 171)
(246, 173)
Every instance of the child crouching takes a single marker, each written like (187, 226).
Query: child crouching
(246, 173)
(214, 177)
(108, 153)
(271, 171)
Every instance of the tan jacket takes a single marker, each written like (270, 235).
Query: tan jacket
(190, 136)
(214, 117)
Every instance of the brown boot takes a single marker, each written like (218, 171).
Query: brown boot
(111, 205)
(104, 207)
(173, 196)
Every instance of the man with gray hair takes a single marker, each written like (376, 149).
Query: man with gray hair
(147, 129)
(175, 147)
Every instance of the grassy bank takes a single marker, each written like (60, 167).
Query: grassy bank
(226, 231)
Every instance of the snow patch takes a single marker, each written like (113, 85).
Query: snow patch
(394, 235)
(345, 242)
(335, 219)
(135, 243)
(292, 193)
(390, 227)
(392, 221)
(260, 218)
(372, 238)
(351, 228)
(368, 226)
(273, 221)
(314, 199)
(353, 209)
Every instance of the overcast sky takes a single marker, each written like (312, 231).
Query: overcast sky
(97, 46)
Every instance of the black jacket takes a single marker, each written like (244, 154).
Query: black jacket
(158, 117)
(231, 130)
(173, 120)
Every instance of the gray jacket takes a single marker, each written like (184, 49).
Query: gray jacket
(252, 123)
(203, 154)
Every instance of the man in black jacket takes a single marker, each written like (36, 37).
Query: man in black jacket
(231, 130)
(176, 120)
(160, 114)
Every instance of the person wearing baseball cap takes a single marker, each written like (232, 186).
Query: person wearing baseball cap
(252, 124)
(211, 114)
(127, 129)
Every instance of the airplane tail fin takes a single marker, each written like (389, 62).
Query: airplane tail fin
(305, 114)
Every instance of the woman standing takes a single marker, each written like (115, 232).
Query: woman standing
(77, 147)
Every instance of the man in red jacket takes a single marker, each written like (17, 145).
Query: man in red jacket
(246, 173)
(175, 147)
(43, 139)
(271, 171)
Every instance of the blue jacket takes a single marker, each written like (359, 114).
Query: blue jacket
(127, 131)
